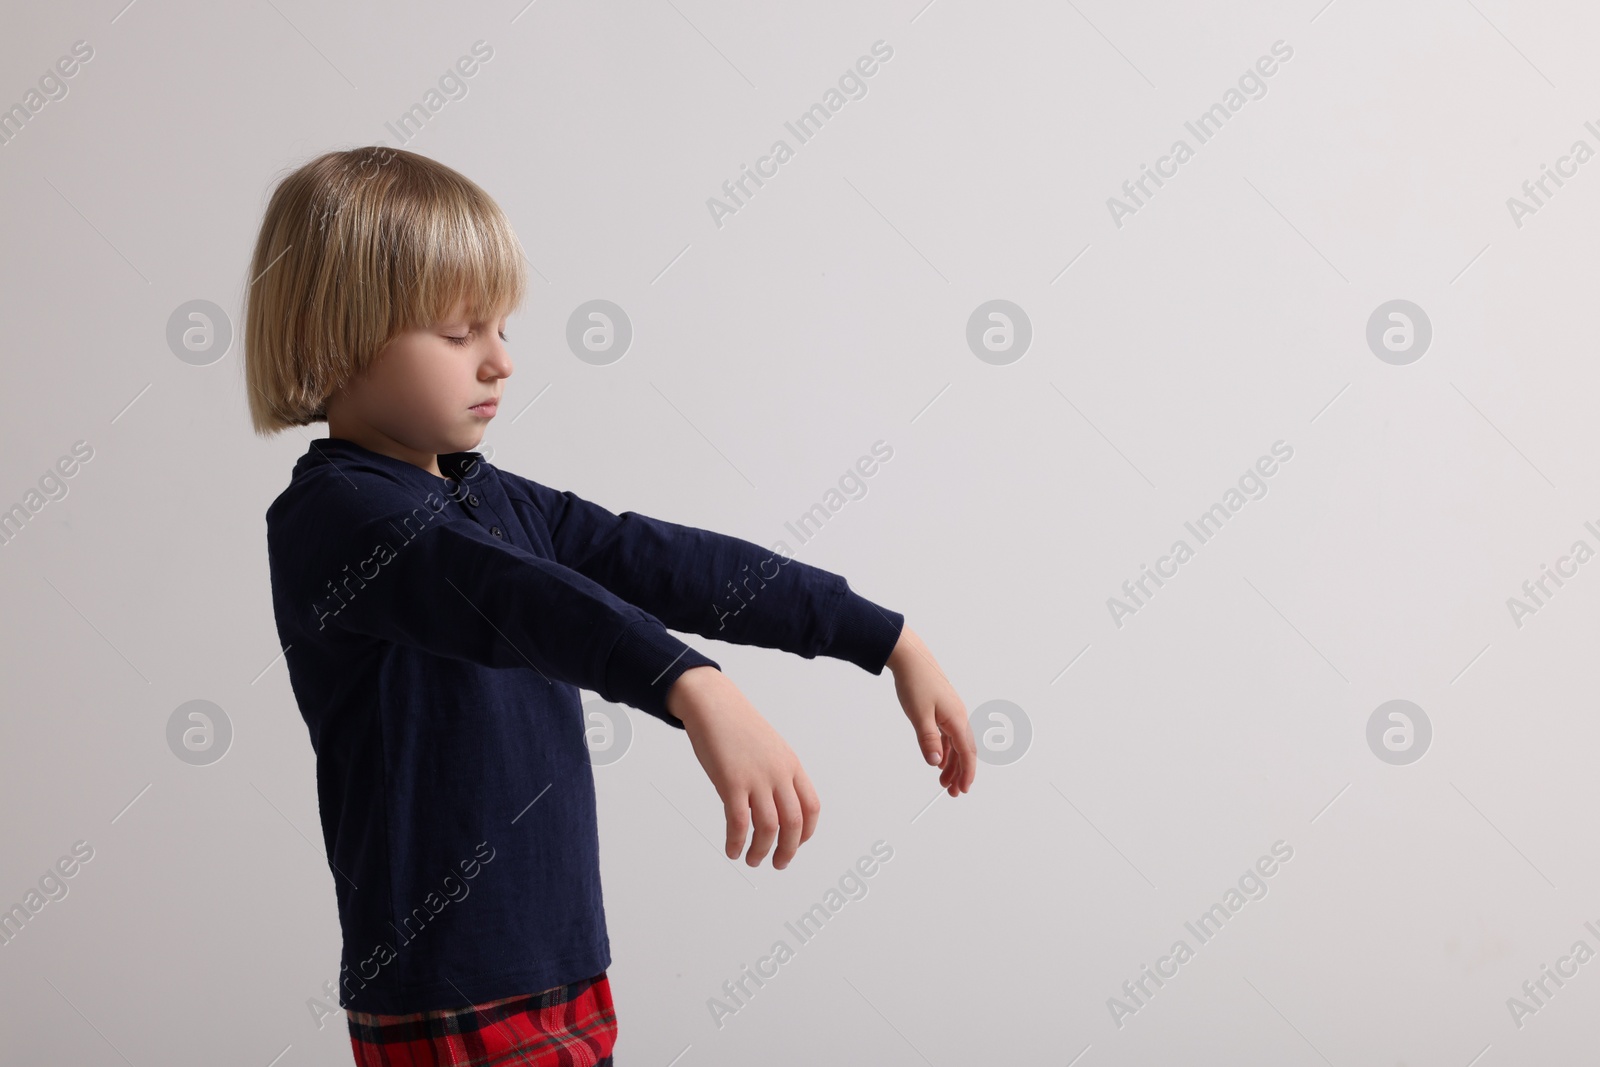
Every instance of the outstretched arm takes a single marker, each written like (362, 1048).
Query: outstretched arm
(712, 584)
(452, 589)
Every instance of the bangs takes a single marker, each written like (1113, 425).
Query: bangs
(452, 251)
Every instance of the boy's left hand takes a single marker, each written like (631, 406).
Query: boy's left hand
(938, 715)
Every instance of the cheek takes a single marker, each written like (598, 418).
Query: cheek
(430, 373)
(410, 380)
(439, 377)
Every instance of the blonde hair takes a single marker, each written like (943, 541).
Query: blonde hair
(355, 248)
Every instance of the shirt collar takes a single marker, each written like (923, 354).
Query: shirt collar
(336, 449)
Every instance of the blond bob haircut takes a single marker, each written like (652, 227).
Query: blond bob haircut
(357, 247)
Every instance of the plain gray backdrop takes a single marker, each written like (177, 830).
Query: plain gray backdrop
(1145, 760)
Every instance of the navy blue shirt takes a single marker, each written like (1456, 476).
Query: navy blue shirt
(437, 632)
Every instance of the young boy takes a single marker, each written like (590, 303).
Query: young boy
(439, 616)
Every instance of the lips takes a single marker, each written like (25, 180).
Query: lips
(487, 408)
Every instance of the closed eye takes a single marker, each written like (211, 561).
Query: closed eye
(468, 337)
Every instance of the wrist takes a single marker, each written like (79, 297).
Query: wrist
(681, 703)
(904, 649)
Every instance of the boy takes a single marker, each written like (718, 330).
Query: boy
(439, 615)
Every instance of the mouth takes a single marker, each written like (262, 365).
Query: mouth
(486, 409)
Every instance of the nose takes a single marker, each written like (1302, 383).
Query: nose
(498, 364)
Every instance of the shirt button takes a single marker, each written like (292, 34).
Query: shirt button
(472, 499)
(496, 531)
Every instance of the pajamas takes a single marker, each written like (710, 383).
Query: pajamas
(438, 632)
(569, 1026)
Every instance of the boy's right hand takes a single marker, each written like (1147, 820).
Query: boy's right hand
(755, 772)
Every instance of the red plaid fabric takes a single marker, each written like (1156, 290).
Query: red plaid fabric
(568, 1026)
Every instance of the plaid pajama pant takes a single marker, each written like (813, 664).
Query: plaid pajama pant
(568, 1026)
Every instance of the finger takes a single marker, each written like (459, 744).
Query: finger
(969, 752)
(736, 810)
(810, 805)
(957, 770)
(789, 822)
(764, 814)
(964, 752)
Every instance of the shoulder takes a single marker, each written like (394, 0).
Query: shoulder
(522, 489)
(550, 505)
(338, 495)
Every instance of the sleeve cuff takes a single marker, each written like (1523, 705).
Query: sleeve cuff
(644, 663)
(864, 633)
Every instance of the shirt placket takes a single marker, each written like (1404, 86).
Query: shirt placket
(476, 504)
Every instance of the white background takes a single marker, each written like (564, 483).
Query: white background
(769, 354)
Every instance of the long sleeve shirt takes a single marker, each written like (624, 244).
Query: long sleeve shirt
(437, 632)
